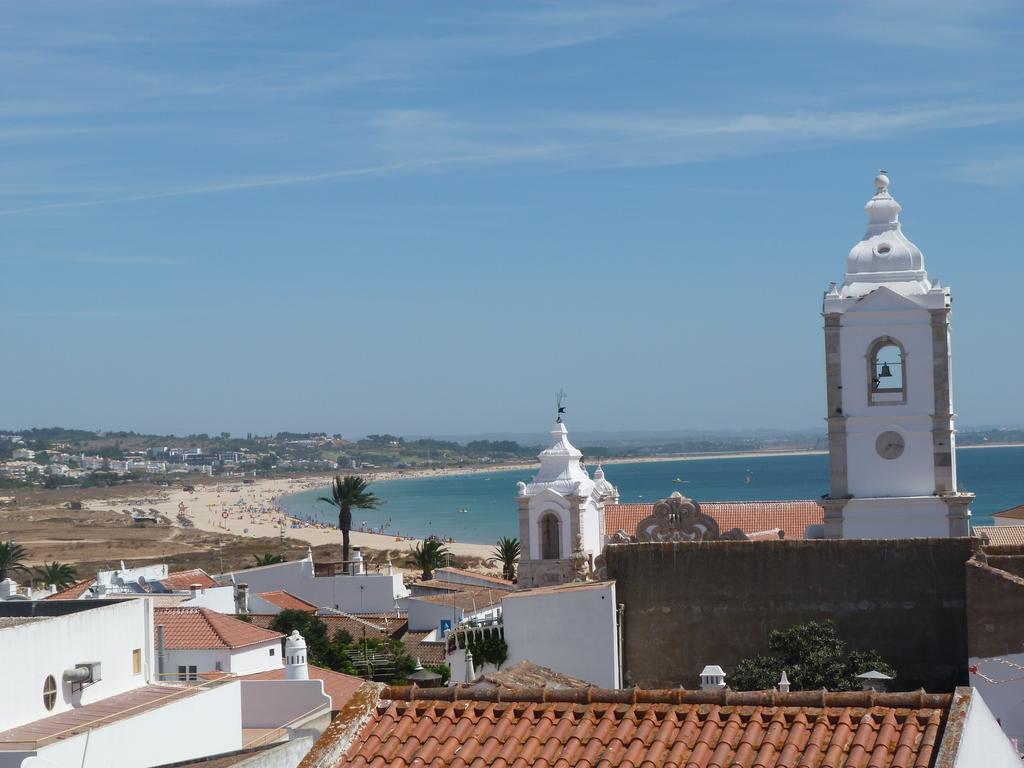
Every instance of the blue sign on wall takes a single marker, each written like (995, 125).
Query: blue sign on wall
(446, 626)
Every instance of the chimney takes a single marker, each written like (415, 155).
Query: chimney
(470, 672)
(241, 598)
(357, 562)
(874, 681)
(295, 667)
(161, 653)
(783, 683)
(712, 678)
(391, 568)
(194, 591)
(8, 587)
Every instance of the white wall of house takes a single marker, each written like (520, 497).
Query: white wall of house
(982, 743)
(258, 605)
(219, 599)
(571, 630)
(273, 703)
(107, 633)
(239, 661)
(207, 723)
(366, 593)
(425, 615)
(1003, 691)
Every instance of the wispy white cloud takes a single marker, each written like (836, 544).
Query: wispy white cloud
(1005, 169)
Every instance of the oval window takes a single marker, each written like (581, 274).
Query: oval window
(49, 692)
(884, 248)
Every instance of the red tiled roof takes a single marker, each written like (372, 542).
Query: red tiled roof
(1015, 513)
(1000, 535)
(439, 574)
(751, 517)
(286, 601)
(353, 624)
(182, 580)
(427, 653)
(593, 727)
(192, 628)
(73, 592)
(338, 686)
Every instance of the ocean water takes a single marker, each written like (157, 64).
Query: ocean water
(434, 505)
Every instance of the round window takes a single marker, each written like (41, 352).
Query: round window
(49, 692)
(884, 248)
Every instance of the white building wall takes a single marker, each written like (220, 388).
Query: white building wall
(570, 630)
(219, 599)
(107, 633)
(367, 593)
(273, 703)
(1005, 697)
(982, 743)
(238, 661)
(897, 518)
(425, 615)
(207, 723)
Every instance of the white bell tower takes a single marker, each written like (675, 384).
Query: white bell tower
(561, 516)
(892, 445)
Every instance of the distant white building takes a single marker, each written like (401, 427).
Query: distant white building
(325, 585)
(200, 640)
(892, 448)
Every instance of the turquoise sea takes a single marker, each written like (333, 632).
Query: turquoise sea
(433, 505)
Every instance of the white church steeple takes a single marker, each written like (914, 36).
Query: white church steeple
(892, 450)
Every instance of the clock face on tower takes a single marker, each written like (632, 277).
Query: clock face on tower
(890, 445)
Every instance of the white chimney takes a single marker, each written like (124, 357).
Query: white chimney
(784, 683)
(241, 598)
(357, 562)
(193, 590)
(712, 678)
(8, 587)
(295, 667)
(874, 681)
(470, 672)
(391, 568)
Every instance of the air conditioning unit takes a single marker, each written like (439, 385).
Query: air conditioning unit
(82, 674)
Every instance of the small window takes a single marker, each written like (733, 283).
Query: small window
(193, 673)
(137, 661)
(271, 651)
(49, 692)
(182, 673)
(887, 380)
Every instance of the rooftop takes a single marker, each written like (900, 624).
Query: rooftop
(1014, 513)
(201, 628)
(526, 674)
(73, 592)
(83, 718)
(182, 580)
(1000, 535)
(286, 601)
(440, 573)
(7, 622)
(469, 599)
(751, 517)
(585, 727)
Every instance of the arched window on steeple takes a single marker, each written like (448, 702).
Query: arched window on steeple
(887, 372)
(550, 536)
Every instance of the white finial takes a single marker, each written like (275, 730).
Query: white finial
(470, 672)
(881, 182)
(784, 683)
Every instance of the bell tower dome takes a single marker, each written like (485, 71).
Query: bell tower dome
(888, 372)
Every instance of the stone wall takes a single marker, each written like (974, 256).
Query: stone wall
(688, 605)
(995, 612)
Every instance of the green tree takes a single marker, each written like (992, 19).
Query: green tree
(348, 493)
(813, 656)
(268, 559)
(12, 558)
(312, 629)
(427, 556)
(507, 552)
(60, 575)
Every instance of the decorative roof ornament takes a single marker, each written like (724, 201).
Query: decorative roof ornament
(884, 256)
(560, 468)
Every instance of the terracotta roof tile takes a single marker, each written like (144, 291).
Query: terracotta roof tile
(392, 626)
(73, 592)
(1015, 513)
(427, 653)
(461, 727)
(751, 517)
(338, 686)
(192, 628)
(999, 535)
(286, 601)
(182, 580)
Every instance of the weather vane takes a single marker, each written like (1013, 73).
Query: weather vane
(559, 399)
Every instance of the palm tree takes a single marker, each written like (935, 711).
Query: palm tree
(507, 552)
(268, 559)
(11, 558)
(348, 493)
(60, 575)
(427, 556)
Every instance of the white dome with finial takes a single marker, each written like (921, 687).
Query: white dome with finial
(601, 485)
(884, 256)
(560, 468)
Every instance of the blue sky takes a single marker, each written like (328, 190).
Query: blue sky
(427, 217)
